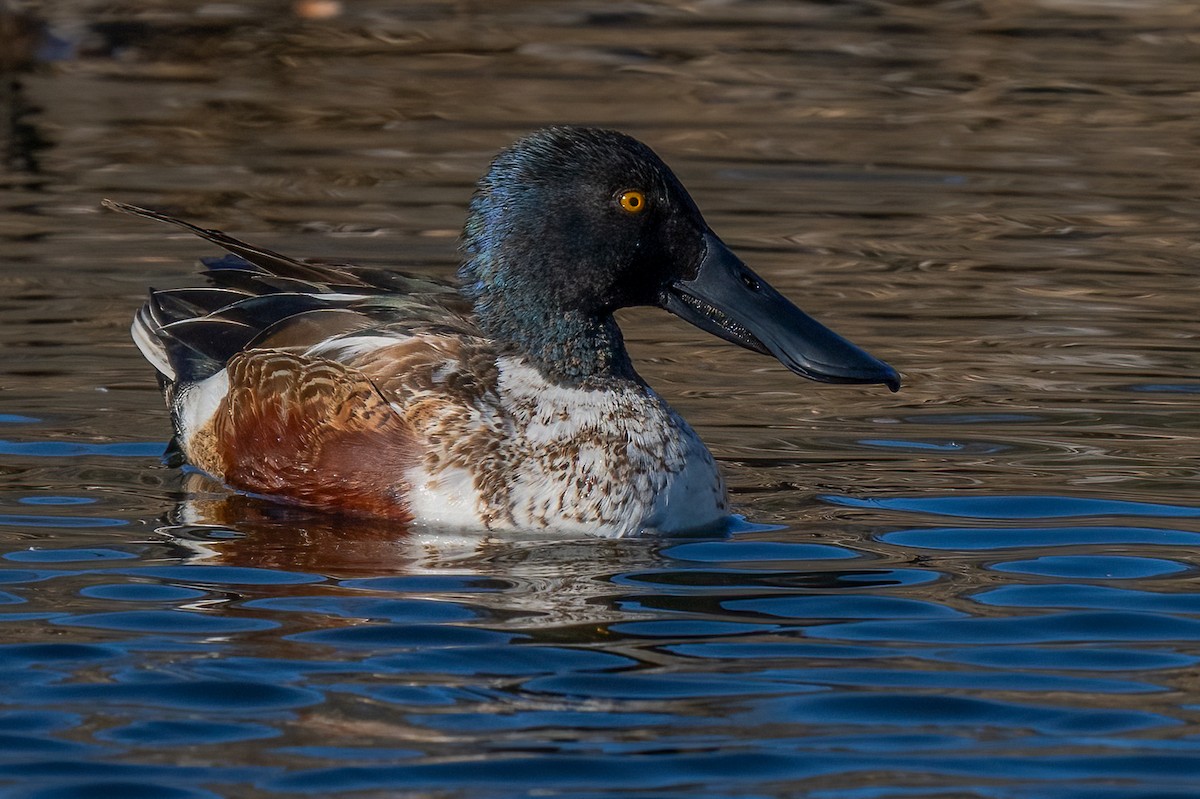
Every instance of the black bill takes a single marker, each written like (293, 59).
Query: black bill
(728, 300)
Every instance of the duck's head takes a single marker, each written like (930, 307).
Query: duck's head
(570, 224)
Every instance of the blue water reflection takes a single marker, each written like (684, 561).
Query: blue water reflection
(593, 667)
(1018, 507)
(589, 674)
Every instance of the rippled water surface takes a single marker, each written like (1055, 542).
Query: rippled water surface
(983, 586)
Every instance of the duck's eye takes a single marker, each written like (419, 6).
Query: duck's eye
(632, 201)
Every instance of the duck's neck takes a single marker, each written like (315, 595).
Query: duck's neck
(569, 349)
(525, 317)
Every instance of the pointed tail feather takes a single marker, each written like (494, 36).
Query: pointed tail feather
(267, 260)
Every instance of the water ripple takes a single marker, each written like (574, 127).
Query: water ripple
(986, 538)
(1063, 627)
(1016, 507)
(225, 696)
(165, 621)
(19, 520)
(75, 449)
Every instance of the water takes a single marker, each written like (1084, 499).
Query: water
(984, 586)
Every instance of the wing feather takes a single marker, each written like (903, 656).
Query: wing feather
(309, 431)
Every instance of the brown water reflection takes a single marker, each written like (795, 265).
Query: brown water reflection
(999, 198)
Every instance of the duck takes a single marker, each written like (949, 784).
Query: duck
(505, 401)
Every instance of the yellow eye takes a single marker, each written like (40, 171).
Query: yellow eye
(632, 201)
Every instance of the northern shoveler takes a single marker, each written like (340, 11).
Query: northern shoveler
(508, 403)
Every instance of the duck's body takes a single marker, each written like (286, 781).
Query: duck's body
(510, 404)
(438, 428)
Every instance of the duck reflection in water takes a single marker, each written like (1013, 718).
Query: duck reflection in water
(528, 583)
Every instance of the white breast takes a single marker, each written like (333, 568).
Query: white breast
(609, 463)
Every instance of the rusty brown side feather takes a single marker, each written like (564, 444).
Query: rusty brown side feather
(311, 431)
(447, 389)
